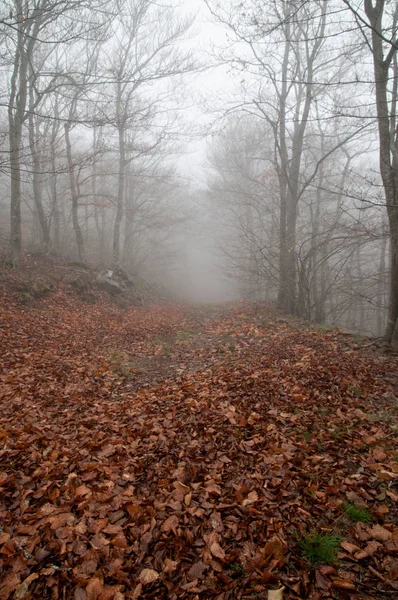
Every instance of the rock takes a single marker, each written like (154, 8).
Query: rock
(84, 289)
(108, 281)
(33, 288)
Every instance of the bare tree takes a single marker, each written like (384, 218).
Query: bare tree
(378, 23)
(30, 24)
(284, 56)
(144, 52)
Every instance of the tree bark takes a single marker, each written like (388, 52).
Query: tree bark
(36, 168)
(74, 197)
(121, 177)
(387, 153)
(16, 116)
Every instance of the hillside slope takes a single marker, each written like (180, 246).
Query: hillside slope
(180, 452)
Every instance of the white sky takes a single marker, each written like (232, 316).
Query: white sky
(207, 88)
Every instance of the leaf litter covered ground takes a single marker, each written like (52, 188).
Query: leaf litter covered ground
(172, 452)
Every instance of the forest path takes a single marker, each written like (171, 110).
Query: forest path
(185, 452)
(206, 337)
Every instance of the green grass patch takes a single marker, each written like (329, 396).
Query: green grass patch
(319, 547)
(357, 513)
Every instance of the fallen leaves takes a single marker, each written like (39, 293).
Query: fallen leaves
(199, 486)
(343, 584)
(170, 524)
(148, 576)
(276, 594)
(380, 533)
(251, 499)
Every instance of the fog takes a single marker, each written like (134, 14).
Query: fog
(221, 150)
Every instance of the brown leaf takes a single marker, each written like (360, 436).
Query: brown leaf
(112, 593)
(213, 488)
(82, 490)
(197, 570)
(99, 542)
(252, 497)
(170, 565)
(369, 439)
(217, 551)
(94, 589)
(148, 576)
(272, 549)
(381, 510)
(269, 578)
(137, 591)
(23, 589)
(170, 524)
(387, 475)
(107, 451)
(133, 510)
(181, 487)
(343, 584)
(215, 522)
(4, 537)
(393, 573)
(120, 541)
(322, 582)
(379, 455)
(351, 548)
(276, 594)
(380, 533)
(370, 549)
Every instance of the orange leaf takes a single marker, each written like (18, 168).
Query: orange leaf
(343, 584)
(272, 549)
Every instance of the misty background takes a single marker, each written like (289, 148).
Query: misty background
(225, 150)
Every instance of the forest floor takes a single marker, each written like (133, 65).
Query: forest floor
(192, 452)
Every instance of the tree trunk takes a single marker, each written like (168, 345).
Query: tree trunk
(387, 153)
(121, 176)
(15, 212)
(74, 197)
(36, 179)
(381, 288)
(129, 219)
(16, 115)
(53, 182)
(284, 285)
(392, 323)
